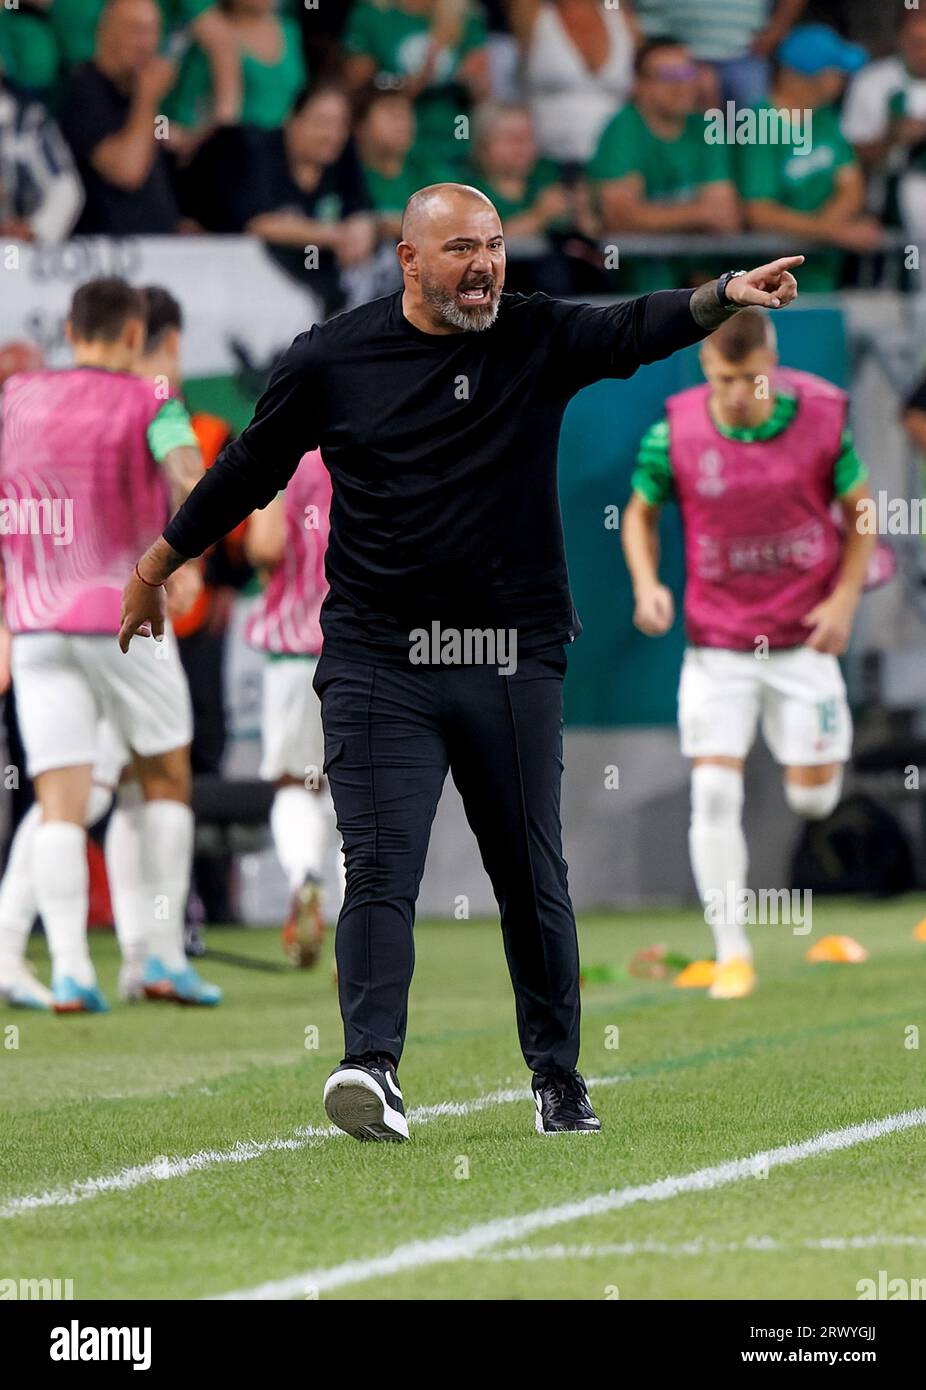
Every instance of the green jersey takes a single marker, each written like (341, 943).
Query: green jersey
(802, 182)
(652, 477)
(672, 171)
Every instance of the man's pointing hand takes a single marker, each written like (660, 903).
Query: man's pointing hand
(770, 286)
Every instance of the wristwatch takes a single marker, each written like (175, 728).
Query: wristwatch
(721, 287)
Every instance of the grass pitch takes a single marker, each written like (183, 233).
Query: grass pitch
(166, 1153)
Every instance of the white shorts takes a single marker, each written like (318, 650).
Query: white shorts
(112, 754)
(67, 682)
(292, 740)
(799, 695)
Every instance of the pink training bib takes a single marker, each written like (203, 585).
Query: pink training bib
(287, 619)
(80, 495)
(761, 545)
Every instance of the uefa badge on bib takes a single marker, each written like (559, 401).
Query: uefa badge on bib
(711, 482)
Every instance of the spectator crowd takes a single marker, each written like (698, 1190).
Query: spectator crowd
(308, 126)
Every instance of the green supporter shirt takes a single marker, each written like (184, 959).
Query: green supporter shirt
(171, 428)
(268, 89)
(397, 41)
(543, 175)
(672, 171)
(802, 182)
(652, 477)
(390, 193)
(29, 51)
(75, 23)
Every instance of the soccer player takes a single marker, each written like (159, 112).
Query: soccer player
(755, 459)
(112, 772)
(95, 458)
(158, 363)
(18, 906)
(437, 410)
(289, 538)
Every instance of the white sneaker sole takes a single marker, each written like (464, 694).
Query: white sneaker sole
(553, 1133)
(357, 1105)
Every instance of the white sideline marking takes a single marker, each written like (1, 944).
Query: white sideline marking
(162, 1169)
(752, 1244)
(466, 1244)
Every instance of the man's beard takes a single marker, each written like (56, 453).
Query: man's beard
(474, 320)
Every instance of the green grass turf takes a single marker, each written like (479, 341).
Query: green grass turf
(816, 1048)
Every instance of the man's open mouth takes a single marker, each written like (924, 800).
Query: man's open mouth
(475, 294)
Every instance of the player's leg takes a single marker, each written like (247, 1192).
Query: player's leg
(58, 716)
(719, 697)
(505, 736)
(292, 757)
(19, 906)
(145, 696)
(59, 865)
(122, 848)
(808, 726)
(813, 792)
(18, 986)
(386, 763)
(167, 830)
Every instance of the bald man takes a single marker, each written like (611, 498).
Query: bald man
(437, 410)
(109, 119)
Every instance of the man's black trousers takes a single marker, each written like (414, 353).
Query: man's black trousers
(391, 734)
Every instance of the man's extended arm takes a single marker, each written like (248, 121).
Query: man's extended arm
(591, 343)
(769, 286)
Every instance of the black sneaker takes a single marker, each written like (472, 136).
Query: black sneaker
(363, 1099)
(563, 1106)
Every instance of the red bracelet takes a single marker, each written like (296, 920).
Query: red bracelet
(147, 582)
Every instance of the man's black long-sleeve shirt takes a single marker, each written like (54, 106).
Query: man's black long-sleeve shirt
(442, 453)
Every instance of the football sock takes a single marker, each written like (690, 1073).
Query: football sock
(166, 859)
(814, 803)
(61, 876)
(717, 847)
(299, 828)
(17, 891)
(18, 902)
(123, 850)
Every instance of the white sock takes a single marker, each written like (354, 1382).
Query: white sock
(123, 849)
(719, 859)
(61, 877)
(299, 830)
(17, 892)
(18, 904)
(814, 803)
(166, 859)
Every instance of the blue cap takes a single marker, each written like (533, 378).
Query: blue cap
(813, 48)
